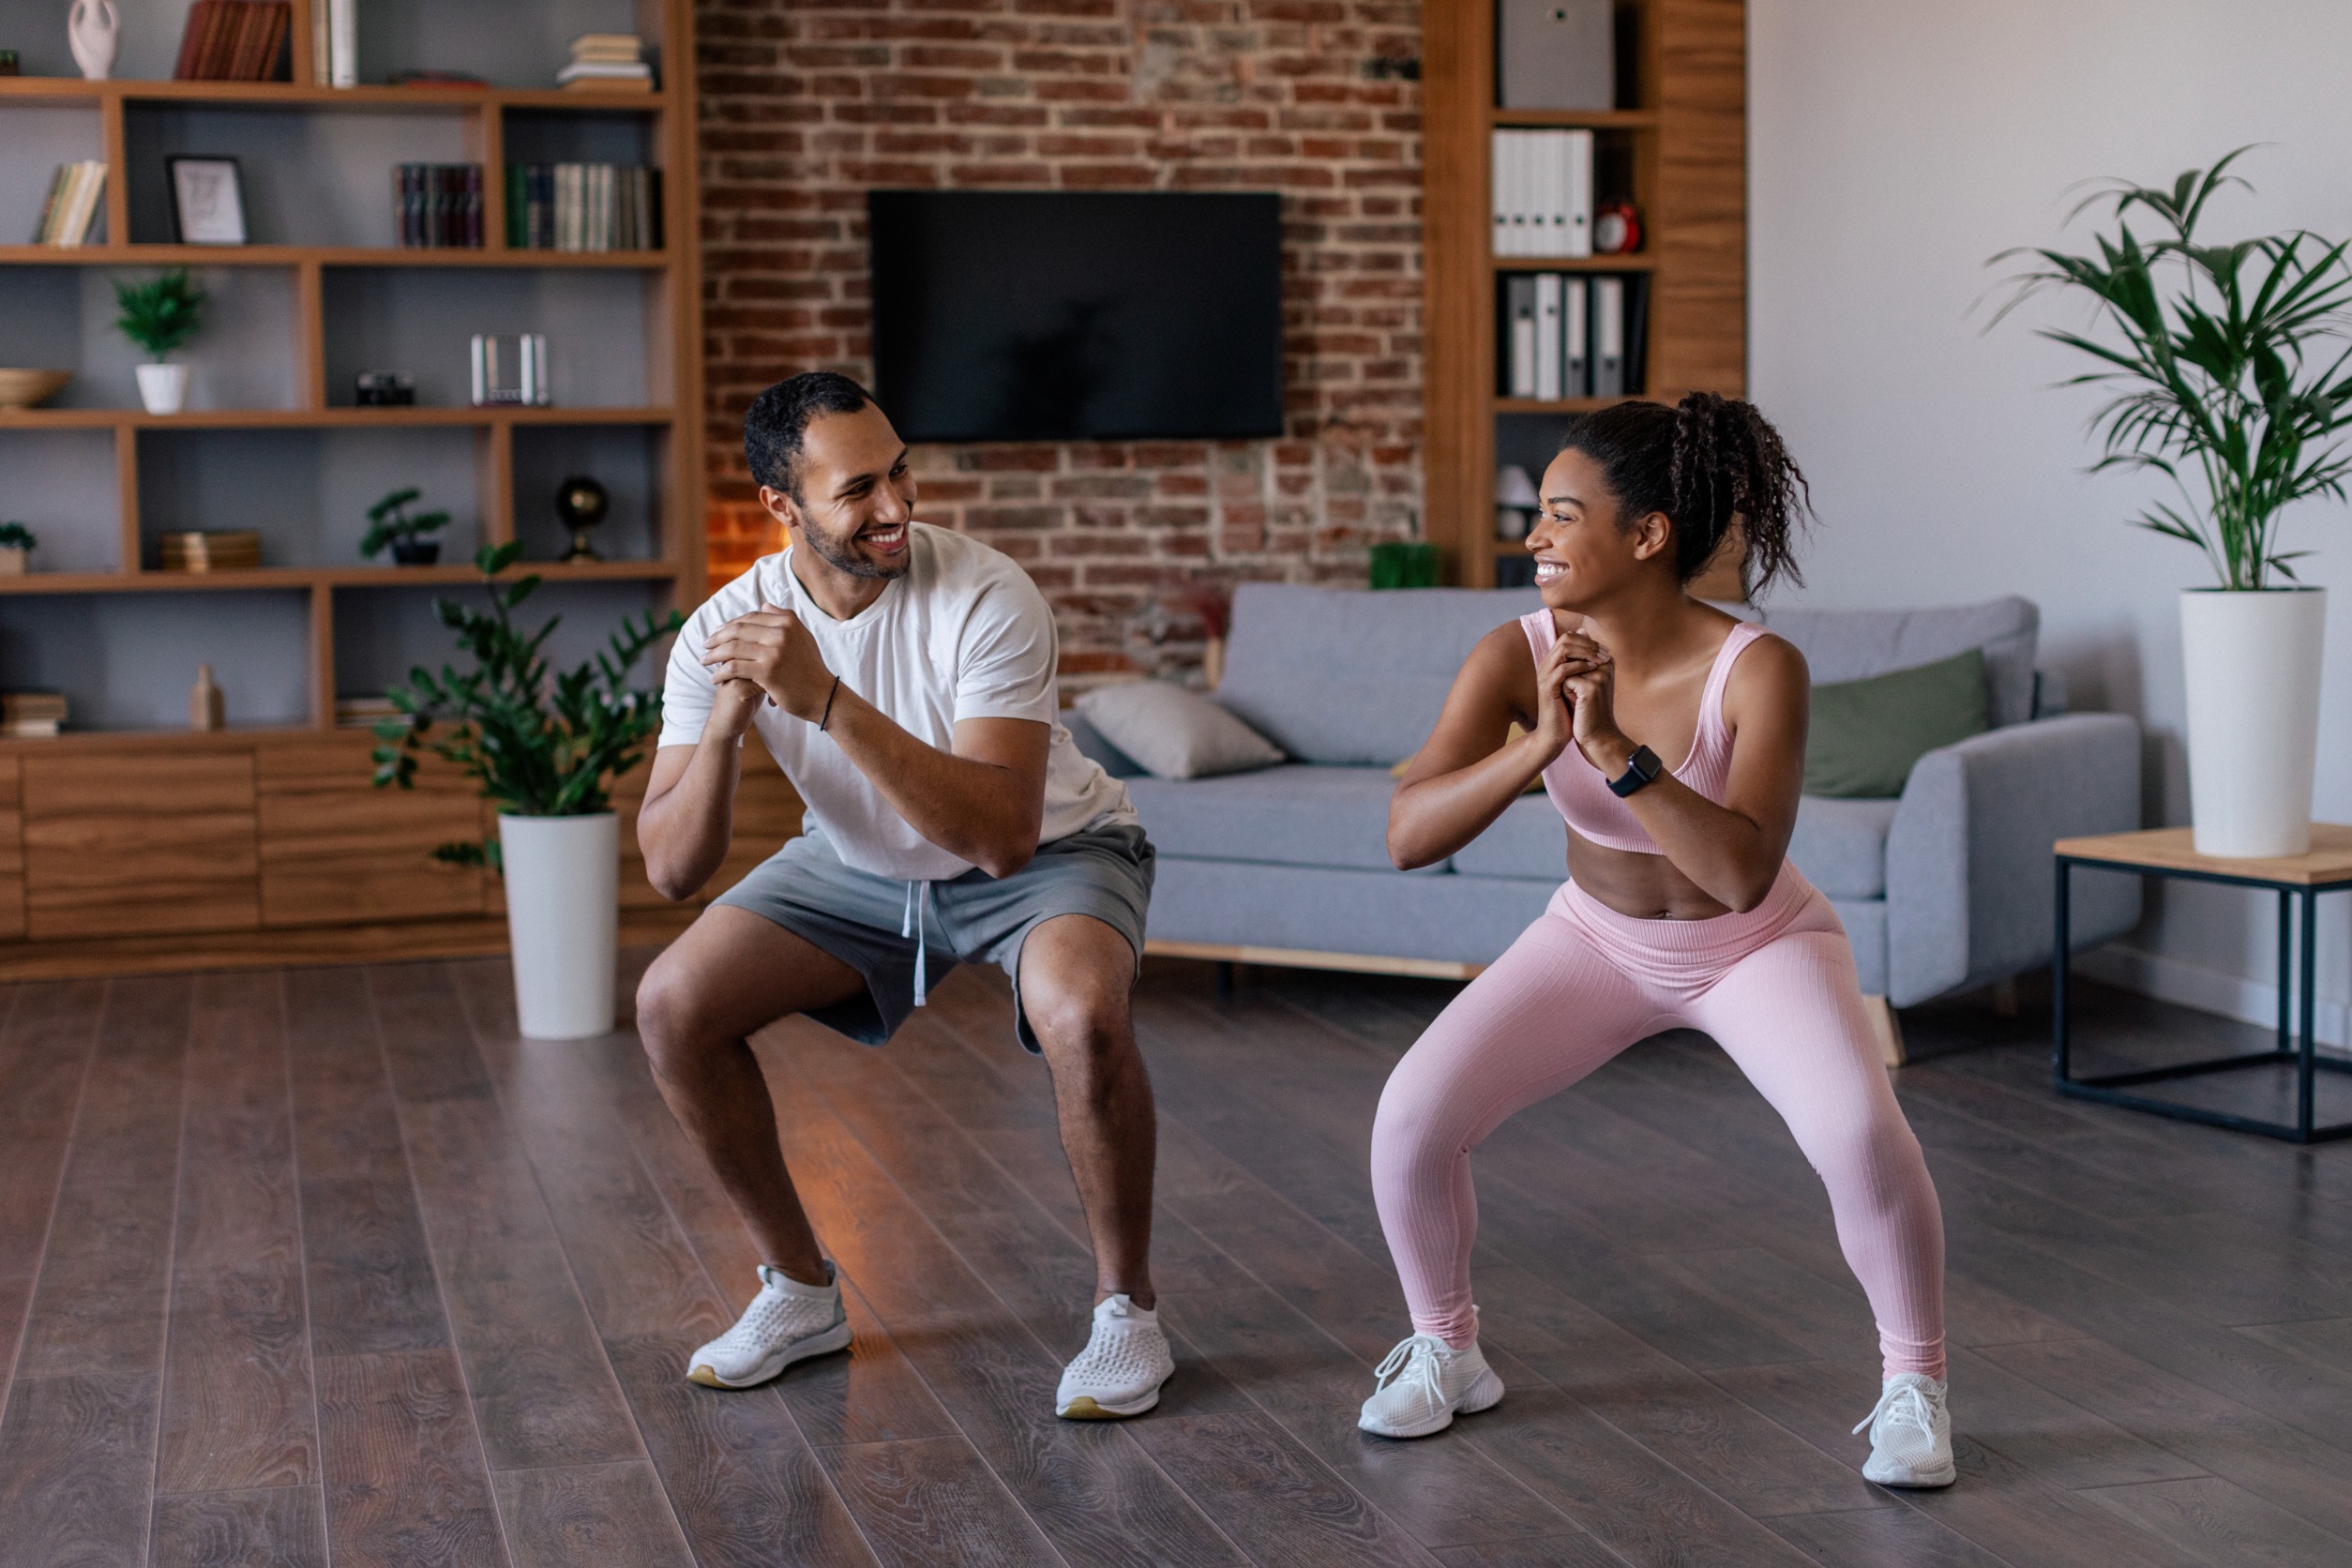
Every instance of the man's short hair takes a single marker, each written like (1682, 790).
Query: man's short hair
(774, 430)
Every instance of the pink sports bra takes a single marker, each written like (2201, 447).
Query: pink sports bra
(1584, 796)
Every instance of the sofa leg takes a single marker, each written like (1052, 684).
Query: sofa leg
(1887, 1027)
(1225, 981)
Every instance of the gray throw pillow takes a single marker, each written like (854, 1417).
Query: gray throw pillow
(1176, 733)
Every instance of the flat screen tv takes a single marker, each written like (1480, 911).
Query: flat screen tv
(1019, 315)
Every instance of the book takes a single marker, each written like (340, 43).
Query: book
(1608, 338)
(1548, 337)
(1576, 197)
(1518, 354)
(608, 46)
(1576, 357)
(343, 42)
(322, 74)
(583, 206)
(71, 212)
(438, 206)
(234, 41)
(230, 550)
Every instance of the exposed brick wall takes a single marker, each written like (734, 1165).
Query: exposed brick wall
(807, 103)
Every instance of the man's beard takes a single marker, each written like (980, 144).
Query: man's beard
(836, 553)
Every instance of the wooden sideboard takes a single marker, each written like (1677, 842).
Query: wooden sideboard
(121, 854)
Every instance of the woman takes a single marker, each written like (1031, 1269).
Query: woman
(1682, 911)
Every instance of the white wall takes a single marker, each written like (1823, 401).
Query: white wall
(1895, 146)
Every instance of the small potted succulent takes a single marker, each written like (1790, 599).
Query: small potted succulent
(16, 544)
(390, 523)
(160, 315)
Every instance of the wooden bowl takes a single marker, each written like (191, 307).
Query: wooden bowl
(30, 388)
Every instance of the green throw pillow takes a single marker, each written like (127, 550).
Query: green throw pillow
(1866, 735)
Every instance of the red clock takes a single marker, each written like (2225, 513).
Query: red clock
(1615, 229)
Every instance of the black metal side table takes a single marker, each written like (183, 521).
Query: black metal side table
(2298, 880)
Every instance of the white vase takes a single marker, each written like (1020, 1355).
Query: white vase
(163, 387)
(563, 898)
(2252, 666)
(90, 28)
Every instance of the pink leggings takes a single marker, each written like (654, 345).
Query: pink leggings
(1774, 987)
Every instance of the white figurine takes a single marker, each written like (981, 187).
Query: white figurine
(91, 26)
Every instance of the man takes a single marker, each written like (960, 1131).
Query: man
(903, 677)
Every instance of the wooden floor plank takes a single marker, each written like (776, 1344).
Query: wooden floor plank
(1095, 1493)
(2220, 1436)
(77, 1468)
(612, 1515)
(1880, 1538)
(737, 1471)
(931, 1502)
(278, 1529)
(2224, 1525)
(45, 1050)
(237, 1410)
(405, 1483)
(542, 1392)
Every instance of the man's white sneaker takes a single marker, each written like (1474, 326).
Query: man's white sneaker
(786, 1321)
(1910, 1434)
(1122, 1368)
(1424, 1383)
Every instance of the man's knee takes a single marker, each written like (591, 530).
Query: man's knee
(667, 1019)
(1079, 1023)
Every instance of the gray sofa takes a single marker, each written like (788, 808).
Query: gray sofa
(1947, 887)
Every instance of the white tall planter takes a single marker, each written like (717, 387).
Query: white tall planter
(562, 894)
(2252, 662)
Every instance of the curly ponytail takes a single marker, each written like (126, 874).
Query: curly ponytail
(1704, 463)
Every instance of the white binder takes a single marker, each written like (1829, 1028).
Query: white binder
(1547, 336)
(1576, 360)
(1608, 337)
(1577, 153)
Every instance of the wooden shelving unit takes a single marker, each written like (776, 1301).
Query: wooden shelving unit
(146, 845)
(1686, 134)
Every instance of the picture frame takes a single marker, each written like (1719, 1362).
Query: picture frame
(208, 200)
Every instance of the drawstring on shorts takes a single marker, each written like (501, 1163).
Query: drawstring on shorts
(912, 926)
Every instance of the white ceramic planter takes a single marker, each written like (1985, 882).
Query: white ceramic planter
(562, 890)
(163, 387)
(2252, 666)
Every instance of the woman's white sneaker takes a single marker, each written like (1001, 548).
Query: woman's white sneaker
(1122, 1368)
(1424, 1383)
(786, 1321)
(1910, 1434)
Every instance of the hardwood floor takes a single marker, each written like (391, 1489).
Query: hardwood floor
(332, 1266)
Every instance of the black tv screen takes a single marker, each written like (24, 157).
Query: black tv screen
(1047, 315)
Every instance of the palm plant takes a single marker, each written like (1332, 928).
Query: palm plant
(540, 742)
(2222, 369)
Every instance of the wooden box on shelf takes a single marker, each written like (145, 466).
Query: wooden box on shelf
(158, 847)
(1679, 140)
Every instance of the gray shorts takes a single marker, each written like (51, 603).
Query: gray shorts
(858, 917)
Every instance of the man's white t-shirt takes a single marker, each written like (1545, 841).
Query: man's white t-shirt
(964, 634)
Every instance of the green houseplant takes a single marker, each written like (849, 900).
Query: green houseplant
(160, 315)
(545, 745)
(390, 523)
(2227, 366)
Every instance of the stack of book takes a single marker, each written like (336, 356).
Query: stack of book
(1543, 192)
(335, 43)
(438, 206)
(1570, 336)
(361, 712)
(233, 550)
(72, 209)
(583, 206)
(235, 41)
(32, 714)
(607, 63)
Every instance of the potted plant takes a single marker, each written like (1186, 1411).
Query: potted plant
(388, 523)
(16, 543)
(2229, 369)
(546, 745)
(160, 315)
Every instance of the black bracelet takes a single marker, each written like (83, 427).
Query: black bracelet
(829, 697)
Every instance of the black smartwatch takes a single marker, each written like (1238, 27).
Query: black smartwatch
(1640, 768)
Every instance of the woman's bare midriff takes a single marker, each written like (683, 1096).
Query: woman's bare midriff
(1646, 886)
